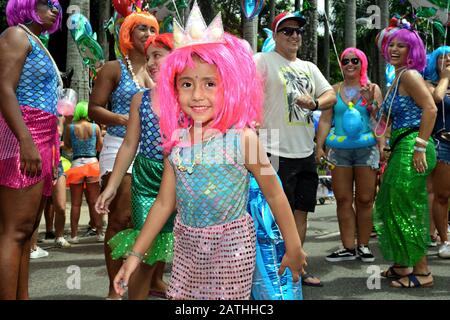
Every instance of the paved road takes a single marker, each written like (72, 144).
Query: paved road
(54, 277)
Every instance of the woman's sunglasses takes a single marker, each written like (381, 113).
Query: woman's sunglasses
(289, 31)
(346, 61)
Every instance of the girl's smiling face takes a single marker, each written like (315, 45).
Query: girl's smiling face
(197, 89)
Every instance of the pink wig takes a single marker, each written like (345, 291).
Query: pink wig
(364, 64)
(417, 58)
(24, 11)
(240, 90)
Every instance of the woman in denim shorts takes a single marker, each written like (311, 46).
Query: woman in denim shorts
(438, 74)
(354, 150)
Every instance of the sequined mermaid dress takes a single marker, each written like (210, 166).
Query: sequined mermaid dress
(145, 181)
(401, 216)
(214, 249)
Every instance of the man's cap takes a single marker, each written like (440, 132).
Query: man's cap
(286, 16)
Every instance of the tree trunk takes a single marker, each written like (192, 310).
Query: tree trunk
(309, 41)
(350, 24)
(384, 7)
(326, 44)
(104, 13)
(272, 12)
(80, 79)
(250, 31)
(298, 5)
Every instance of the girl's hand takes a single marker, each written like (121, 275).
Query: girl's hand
(30, 159)
(104, 200)
(420, 161)
(446, 73)
(368, 92)
(123, 276)
(295, 261)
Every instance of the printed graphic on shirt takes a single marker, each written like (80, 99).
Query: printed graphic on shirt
(296, 83)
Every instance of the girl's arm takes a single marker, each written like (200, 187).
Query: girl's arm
(99, 144)
(158, 215)
(441, 89)
(14, 48)
(258, 164)
(125, 156)
(324, 128)
(106, 82)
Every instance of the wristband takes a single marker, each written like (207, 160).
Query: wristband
(136, 254)
(419, 140)
(316, 102)
(419, 149)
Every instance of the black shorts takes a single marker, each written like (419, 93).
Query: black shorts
(300, 180)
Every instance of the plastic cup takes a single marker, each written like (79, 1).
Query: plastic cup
(67, 102)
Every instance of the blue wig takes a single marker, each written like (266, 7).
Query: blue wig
(431, 71)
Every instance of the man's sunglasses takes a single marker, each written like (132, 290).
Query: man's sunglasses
(289, 31)
(346, 61)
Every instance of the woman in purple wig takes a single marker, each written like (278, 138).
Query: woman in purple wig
(29, 143)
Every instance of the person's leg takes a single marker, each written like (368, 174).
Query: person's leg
(92, 192)
(49, 215)
(139, 284)
(365, 182)
(18, 215)
(342, 183)
(59, 205)
(430, 191)
(421, 273)
(157, 283)
(22, 290)
(119, 218)
(441, 186)
(76, 199)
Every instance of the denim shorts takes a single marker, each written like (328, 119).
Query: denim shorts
(360, 157)
(443, 151)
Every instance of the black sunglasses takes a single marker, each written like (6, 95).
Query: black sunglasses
(346, 61)
(289, 31)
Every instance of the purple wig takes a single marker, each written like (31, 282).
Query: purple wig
(417, 58)
(24, 11)
(240, 91)
(364, 64)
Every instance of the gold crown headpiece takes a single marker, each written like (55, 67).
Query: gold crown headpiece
(196, 31)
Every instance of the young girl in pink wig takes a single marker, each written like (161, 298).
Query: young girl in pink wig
(212, 95)
(355, 154)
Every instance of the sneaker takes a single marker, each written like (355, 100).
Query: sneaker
(49, 237)
(38, 253)
(62, 243)
(101, 237)
(343, 254)
(365, 254)
(444, 250)
(433, 241)
(90, 232)
(74, 240)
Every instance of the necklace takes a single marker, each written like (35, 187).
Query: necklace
(25, 28)
(197, 158)
(130, 68)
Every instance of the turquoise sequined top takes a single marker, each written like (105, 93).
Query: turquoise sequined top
(215, 191)
(405, 113)
(121, 99)
(150, 140)
(83, 148)
(38, 82)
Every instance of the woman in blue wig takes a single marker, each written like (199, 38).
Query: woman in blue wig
(437, 73)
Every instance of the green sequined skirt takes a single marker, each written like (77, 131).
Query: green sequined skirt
(146, 179)
(401, 217)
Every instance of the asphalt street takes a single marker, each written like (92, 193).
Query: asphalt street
(79, 272)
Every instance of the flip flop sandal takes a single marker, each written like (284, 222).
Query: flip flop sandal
(310, 284)
(392, 274)
(413, 282)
